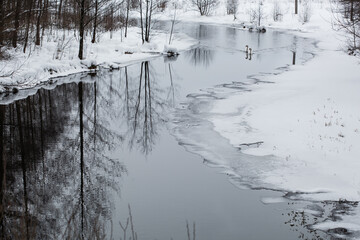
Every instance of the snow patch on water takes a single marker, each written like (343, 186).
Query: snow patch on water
(272, 200)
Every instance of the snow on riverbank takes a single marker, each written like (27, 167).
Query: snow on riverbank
(58, 56)
(310, 120)
(316, 10)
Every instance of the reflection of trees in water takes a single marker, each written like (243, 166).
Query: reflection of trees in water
(143, 115)
(145, 105)
(171, 92)
(294, 49)
(134, 103)
(203, 32)
(57, 164)
(54, 172)
(97, 169)
(231, 32)
(28, 128)
(200, 56)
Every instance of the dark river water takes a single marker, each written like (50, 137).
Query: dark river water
(76, 155)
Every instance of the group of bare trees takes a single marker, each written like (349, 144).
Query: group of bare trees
(205, 7)
(347, 18)
(28, 21)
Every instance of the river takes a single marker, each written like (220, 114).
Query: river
(76, 155)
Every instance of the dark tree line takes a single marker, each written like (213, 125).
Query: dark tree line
(28, 128)
(23, 22)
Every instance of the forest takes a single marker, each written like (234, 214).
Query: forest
(27, 22)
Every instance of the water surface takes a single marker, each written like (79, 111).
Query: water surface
(77, 155)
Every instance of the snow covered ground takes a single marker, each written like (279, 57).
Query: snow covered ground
(58, 56)
(309, 120)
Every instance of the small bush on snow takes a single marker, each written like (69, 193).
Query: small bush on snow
(305, 12)
(232, 6)
(169, 48)
(257, 13)
(89, 63)
(277, 12)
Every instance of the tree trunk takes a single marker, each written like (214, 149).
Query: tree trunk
(296, 6)
(172, 27)
(37, 35)
(95, 21)
(16, 24)
(127, 17)
(141, 22)
(111, 22)
(1, 22)
(81, 29)
(28, 25)
(149, 22)
(59, 13)
(45, 19)
(146, 20)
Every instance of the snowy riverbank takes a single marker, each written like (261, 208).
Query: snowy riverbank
(58, 56)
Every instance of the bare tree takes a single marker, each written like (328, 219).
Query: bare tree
(277, 13)
(147, 9)
(29, 11)
(128, 4)
(305, 11)
(16, 23)
(173, 21)
(81, 29)
(205, 7)
(1, 22)
(257, 14)
(95, 21)
(232, 7)
(24, 20)
(346, 16)
(37, 36)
